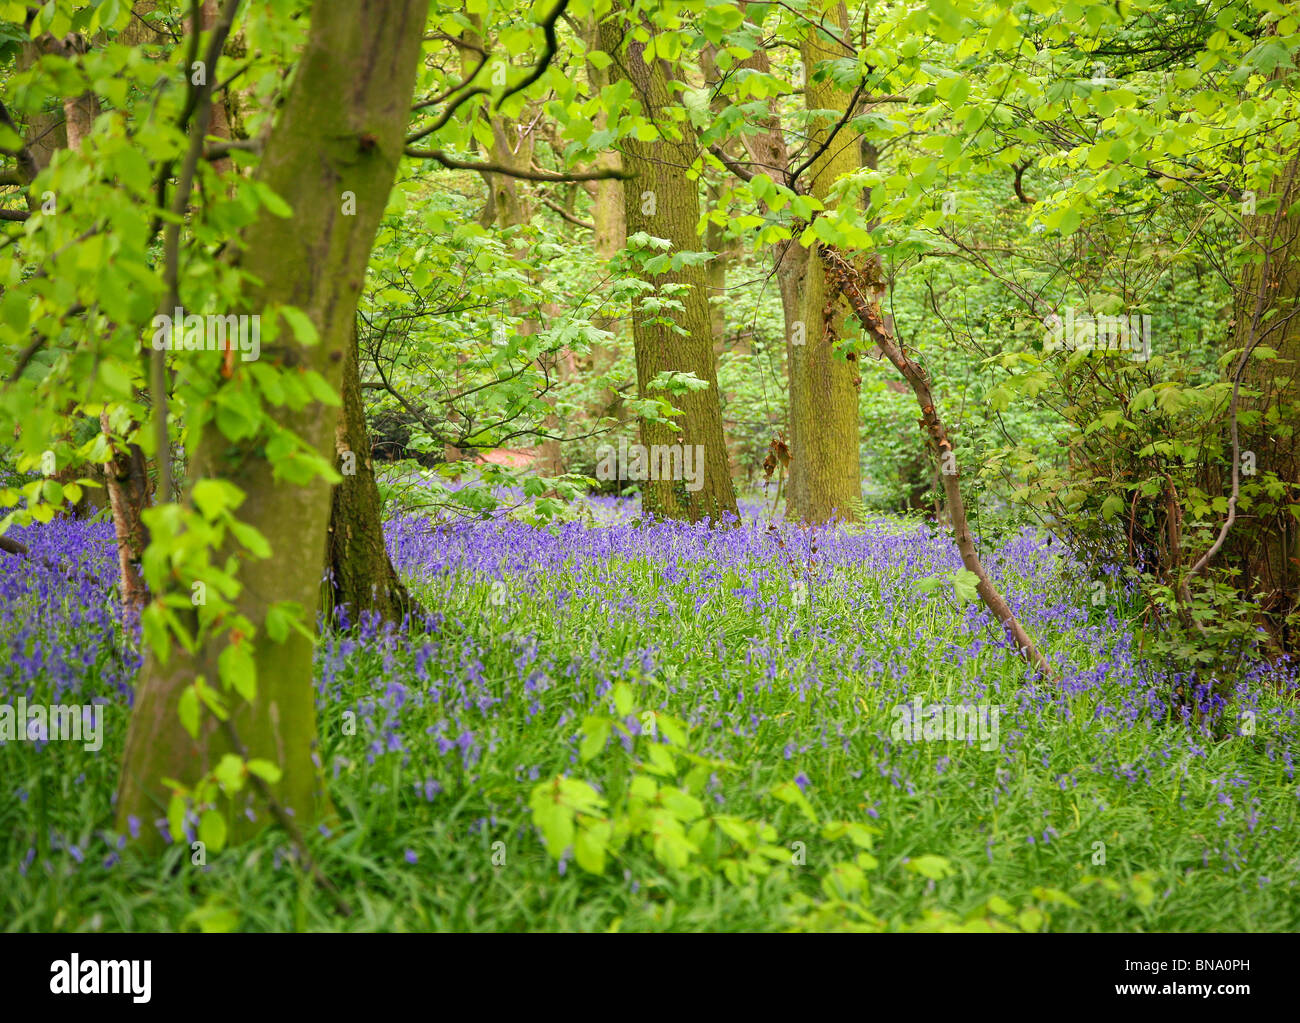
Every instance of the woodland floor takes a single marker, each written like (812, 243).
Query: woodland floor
(790, 803)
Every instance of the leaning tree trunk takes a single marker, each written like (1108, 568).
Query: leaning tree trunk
(358, 570)
(849, 281)
(661, 200)
(341, 130)
(126, 478)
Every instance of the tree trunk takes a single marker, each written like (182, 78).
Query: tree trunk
(126, 478)
(79, 112)
(825, 472)
(1265, 538)
(716, 242)
(768, 154)
(219, 119)
(44, 132)
(610, 234)
(359, 572)
(662, 201)
(341, 129)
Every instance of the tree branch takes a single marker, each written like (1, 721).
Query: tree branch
(438, 156)
(849, 111)
(552, 44)
(566, 214)
(172, 235)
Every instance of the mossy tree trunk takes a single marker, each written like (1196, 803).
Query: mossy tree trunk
(768, 154)
(340, 130)
(662, 200)
(358, 570)
(825, 475)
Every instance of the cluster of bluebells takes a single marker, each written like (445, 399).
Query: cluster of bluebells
(861, 637)
(62, 636)
(761, 637)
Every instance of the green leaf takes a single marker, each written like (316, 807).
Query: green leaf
(674, 731)
(681, 805)
(595, 733)
(277, 623)
(264, 769)
(212, 830)
(176, 817)
(318, 387)
(964, 583)
(301, 325)
(115, 379)
(845, 880)
(661, 760)
(556, 825)
(238, 670)
(211, 698)
(1054, 895)
(253, 541)
(1144, 893)
(213, 919)
(14, 311)
(229, 772)
(936, 868)
(589, 846)
(276, 206)
(213, 496)
(736, 829)
(188, 709)
(789, 792)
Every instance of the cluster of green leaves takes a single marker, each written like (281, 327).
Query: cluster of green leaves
(205, 802)
(82, 281)
(656, 785)
(643, 803)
